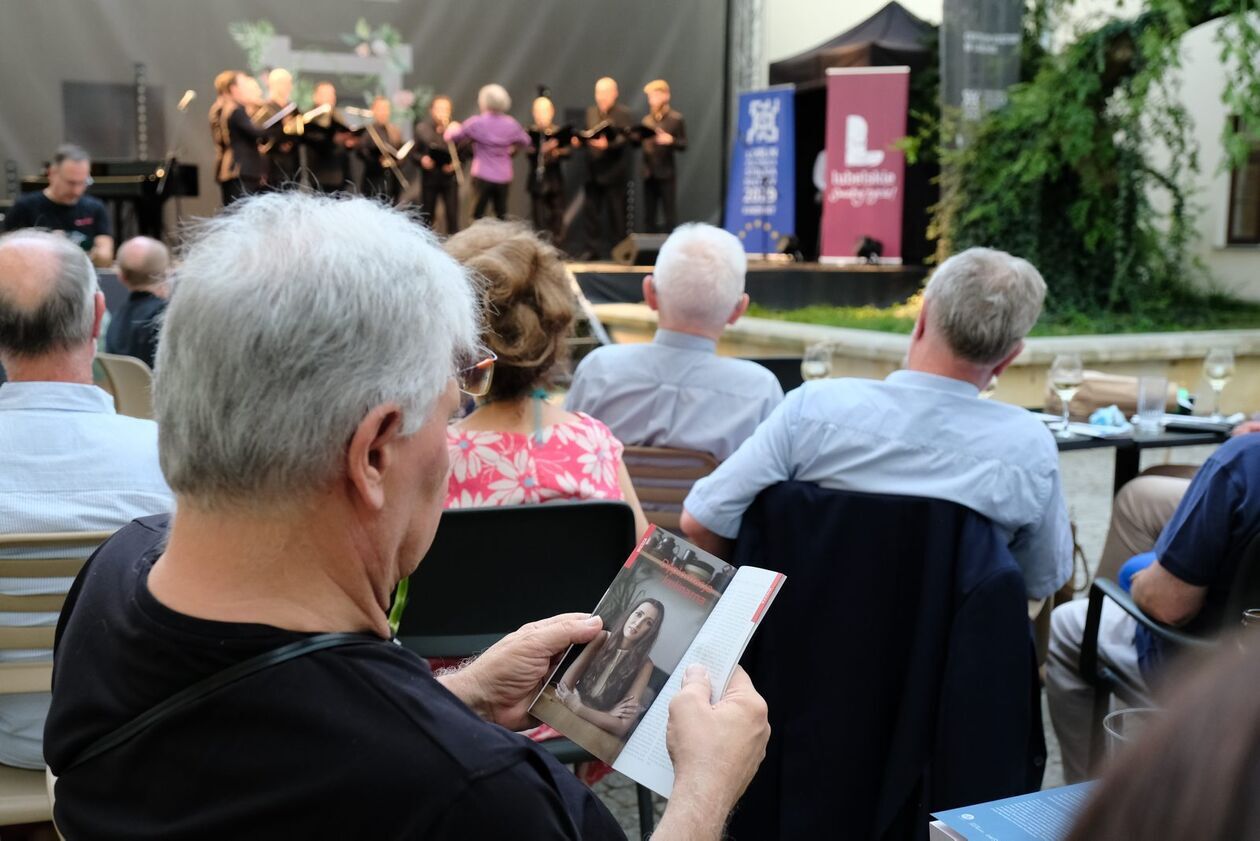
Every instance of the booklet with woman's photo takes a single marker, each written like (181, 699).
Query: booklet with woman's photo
(672, 604)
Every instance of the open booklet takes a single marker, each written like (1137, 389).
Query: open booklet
(672, 604)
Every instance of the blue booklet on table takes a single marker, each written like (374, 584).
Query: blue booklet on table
(1041, 816)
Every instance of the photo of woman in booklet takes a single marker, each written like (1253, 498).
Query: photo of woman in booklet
(671, 605)
(605, 685)
(651, 615)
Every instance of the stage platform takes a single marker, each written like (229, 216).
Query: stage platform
(780, 286)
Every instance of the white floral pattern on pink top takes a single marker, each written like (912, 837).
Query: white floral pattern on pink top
(574, 460)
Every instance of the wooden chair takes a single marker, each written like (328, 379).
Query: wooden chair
(24, 794)
(131, 383)
(663, 477)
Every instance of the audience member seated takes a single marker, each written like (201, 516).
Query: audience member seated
(515, 447)
(133, 331)
(922, 431)
(1196, 559)
(65, 206)
(335, 330)
(677, 392)
(1145, 505)
(70, 464)
(1194, 773)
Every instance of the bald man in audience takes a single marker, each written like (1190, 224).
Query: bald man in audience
(677, 392)
(922, 431)
(70, 464)
(133, 330)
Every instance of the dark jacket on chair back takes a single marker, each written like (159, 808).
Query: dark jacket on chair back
(897, 663)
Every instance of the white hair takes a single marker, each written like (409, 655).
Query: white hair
(291, 317)
(494, 98)
(984, 301)
(699, 275)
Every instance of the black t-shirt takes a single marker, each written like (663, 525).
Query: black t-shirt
(353, 742)
(133, 330)
(83, 221)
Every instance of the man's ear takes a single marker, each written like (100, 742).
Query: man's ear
(740, 308)
(920, 322)
(98, 302)
(1009, 358)
(649, 292)
(370, 454)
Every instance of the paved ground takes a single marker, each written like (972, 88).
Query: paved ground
(1087, 480)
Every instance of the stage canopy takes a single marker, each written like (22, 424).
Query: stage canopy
(891, 36)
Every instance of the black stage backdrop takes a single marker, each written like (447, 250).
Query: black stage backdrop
(49, 47)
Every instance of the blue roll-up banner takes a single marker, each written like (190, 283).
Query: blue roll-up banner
(761, 192)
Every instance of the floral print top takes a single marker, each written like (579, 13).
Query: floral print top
(578, 459)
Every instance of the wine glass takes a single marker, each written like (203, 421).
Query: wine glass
(1218, 367)
(816, 363)
(1066, 375)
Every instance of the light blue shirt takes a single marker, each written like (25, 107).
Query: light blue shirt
(68, 463)
(675, 392)
(913, 434)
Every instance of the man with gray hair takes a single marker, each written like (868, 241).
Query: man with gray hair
(303, 419)
(70, 464)
(133, 331)
(677, 392)
(923, 431)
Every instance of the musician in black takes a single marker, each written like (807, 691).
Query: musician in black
(659, 175)
(438, 179)
(225, 171)
(245, 135)
(608, 176)
(546, 181)
(382, 174)
(328, 142)
(282, 152)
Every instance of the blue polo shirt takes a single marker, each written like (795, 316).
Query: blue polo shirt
(1213, 525)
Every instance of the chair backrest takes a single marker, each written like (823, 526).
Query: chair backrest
(786, 368)
(662, 478)
(898, 659)
(52, 555)
(131, 383)
(492, 570)
(1245, 592)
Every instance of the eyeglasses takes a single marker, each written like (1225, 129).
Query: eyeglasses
(475, 379)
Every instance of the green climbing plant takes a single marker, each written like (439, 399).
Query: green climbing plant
(1087, 171)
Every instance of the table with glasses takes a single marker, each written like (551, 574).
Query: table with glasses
(1129, 448)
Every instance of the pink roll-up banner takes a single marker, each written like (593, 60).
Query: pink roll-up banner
(865, 187)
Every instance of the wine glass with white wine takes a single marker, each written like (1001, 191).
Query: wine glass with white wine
(1218, 367)
(816, 363)
(1066, 376)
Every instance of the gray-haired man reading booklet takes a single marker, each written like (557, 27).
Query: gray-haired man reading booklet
(672, 605)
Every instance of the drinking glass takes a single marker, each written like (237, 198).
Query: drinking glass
(1151, 401)
(1124, 727)
(1066, 376)
(1218, 367)
(816, 363)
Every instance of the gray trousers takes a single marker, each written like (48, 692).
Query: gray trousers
(1071, 698)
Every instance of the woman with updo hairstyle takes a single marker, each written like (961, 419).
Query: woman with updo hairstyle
(516, 447)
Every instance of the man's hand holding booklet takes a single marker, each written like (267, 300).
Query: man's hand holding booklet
(672, 606)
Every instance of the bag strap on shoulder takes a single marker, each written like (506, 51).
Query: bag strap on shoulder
(201, 689)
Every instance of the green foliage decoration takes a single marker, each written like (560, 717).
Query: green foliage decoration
(1087, 170)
